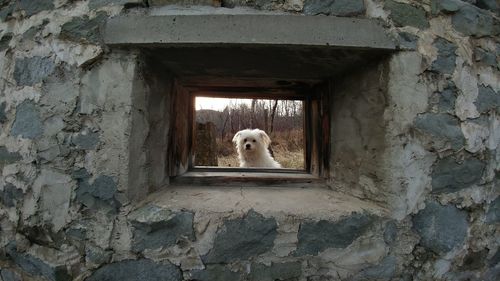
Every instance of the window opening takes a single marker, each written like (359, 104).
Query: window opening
(220, 125)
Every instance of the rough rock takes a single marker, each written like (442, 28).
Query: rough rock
(95, 4)
(4, 41)
(390, 232)
(83, 29)
(385, 270)
(6, 10)
(31, 7)
(85, 140)
(7, 157)
(408, 41)
(9, 275)
(447, 100)
(442, 126)
(493, 213)
(446, 59)
(405, 14)
(491, 5)
(334, 7)
(314, 237)
(37, 267)
(27, 123)
(3, 116)
(487, 99)
(133, 270)
(98, 194)
(29, 71)
(10, 195)
(156, 227)
(486, 57)
(472, 21)
(276, 271)
(217, 272)
(441, 228)
(450, 176)
(242, 238)
(449, 6)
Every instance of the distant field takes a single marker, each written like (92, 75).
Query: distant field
(287, 147)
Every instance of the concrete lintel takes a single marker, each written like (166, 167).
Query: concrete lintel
(172, 30)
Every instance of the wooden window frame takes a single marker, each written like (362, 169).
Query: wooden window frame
(316, 132)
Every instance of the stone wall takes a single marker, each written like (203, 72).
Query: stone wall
(78, 121)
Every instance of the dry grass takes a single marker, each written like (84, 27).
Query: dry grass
(287, 147)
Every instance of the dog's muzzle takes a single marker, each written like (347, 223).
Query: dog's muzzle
(248, 146)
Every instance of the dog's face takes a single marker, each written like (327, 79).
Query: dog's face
(248, 141)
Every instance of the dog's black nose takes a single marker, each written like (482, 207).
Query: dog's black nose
(247, 146)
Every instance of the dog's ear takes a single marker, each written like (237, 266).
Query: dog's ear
(265, 138)
(236, 137)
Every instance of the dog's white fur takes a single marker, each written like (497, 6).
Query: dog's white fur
(252, 147)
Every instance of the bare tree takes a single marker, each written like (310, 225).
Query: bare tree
(273, 113)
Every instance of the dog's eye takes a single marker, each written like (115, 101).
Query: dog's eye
(245, 140)
(253, 140)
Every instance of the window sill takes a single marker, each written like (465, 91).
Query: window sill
(247, 177)
(308, 203)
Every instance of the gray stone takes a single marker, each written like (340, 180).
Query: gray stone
(3, 116)
(487, 99)
(6, 10)
(446, 6)
(491, 5)
(9, 275)
(314, 237)
(276, 271)
(83, 29)
(447, 100)
(7, 157)
(10, 195)
(36, 267)
(99, 194)
(385, 270)
(441, 228)
(86, 141)
(472, 21)
(495, 260)
(493, 214)
(443, 126)
(27, 123)
(405, 14)
(450, 176)
(133, 270)
(445, 61)
(213, 272)
(155, 227)
(4, 41)
(97, 255)
(34, 30)
(485, 57)
(408, 41)
(242, 238)
(95, 4)
(334, 7)
(29, 71)
(32, 7)
(390, 232)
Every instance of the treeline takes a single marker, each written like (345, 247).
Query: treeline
(268, 115)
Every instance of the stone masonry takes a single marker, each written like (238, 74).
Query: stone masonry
(74, 205)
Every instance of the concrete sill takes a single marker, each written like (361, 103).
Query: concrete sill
(309, 203)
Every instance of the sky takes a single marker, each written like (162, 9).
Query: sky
(217, 103)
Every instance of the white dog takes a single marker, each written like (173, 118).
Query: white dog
(252, 147)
